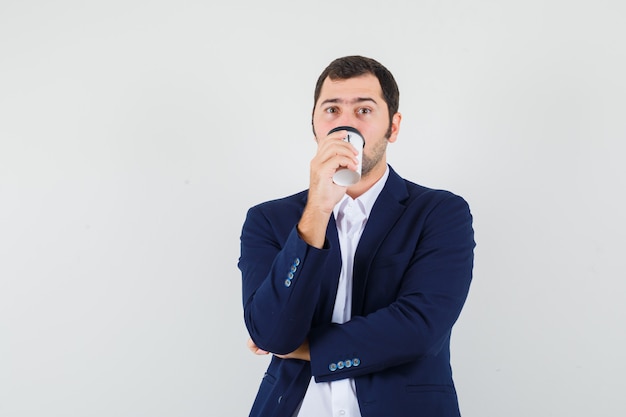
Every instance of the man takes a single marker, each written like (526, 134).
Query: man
(354, 290)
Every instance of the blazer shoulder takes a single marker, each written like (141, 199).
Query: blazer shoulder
(281, 210)
(410, 193)
(291, 201)
(422, 194)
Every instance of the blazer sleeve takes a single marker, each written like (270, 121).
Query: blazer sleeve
(435, 280)
(278, 287)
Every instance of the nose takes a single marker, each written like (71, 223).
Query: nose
(346, 119)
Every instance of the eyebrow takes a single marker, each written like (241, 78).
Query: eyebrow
(356, 100)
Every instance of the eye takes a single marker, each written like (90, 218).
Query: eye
(364, 110)
(331, 110)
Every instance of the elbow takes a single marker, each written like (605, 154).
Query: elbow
(272, 336)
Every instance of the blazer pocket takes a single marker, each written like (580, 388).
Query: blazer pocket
(446, 389)
(268, 379)
(398, 259)
(265, 389)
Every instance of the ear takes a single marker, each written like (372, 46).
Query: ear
(395, 127)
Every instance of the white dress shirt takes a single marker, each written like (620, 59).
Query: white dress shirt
(338, 398)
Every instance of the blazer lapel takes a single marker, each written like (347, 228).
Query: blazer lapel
(330, 278)
(333, 270)
(388, 207)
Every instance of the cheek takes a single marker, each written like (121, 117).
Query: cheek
(321, 128)
(374, 148)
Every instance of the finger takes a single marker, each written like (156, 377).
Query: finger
(255, 349)
(338, 155)
(340, 162)
(337, 145)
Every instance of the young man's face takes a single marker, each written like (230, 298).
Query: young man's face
(357, 102)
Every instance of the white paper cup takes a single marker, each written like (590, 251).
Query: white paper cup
(345, 176)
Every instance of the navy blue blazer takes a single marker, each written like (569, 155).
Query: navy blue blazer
(412, 272)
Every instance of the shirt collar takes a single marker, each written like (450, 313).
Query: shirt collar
(365, 201)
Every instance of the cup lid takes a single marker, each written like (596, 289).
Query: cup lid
(349, 129)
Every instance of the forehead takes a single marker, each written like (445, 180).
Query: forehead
(363, 86)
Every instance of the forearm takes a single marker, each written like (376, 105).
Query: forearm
(279, 292)
(385, 339)
(280, 280)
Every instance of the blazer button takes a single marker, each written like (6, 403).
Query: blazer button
(296, 261)
(290, 275)
(332, 367)
(294, 268)
(356, 362)
(348, 363)
(287, 283)
(340, 364)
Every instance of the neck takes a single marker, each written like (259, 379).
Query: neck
(368, 180)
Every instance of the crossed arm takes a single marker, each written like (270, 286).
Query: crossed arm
(302, 352)
(433, 281)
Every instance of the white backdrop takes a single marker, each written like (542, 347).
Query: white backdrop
(135, 134)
